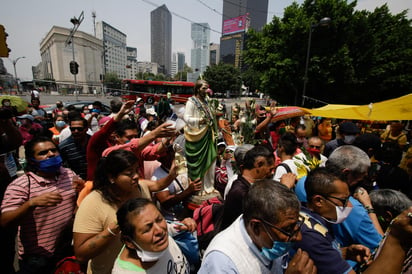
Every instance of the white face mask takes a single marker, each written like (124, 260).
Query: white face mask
(341, 214)
(349, 139)
(148, 256)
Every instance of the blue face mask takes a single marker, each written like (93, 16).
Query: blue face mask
(278, 249)
(50, 165)
(60, 123)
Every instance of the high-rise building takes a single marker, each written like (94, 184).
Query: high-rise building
(200, 50)
(257, 10)
(181, 61)
(131, 67)
(56, 56)
(214, 54)
(173, 70)
(161, 38)
(147, 67)
(114, 49)
(238, 16)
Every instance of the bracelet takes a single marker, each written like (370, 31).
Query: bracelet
(369, 209)
(111, 232)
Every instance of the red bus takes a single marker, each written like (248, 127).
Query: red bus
(152, 91)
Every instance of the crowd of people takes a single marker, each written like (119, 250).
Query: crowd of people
(118, 192)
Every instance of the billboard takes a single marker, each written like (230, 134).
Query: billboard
(237, 24)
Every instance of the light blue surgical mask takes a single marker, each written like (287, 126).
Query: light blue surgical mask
(60, 123)
(278, 249)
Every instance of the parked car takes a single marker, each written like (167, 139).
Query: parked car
(79, 106)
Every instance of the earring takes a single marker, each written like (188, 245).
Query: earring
(112, 181)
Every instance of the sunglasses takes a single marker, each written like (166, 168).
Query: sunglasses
(344, 201)
(312, 146)
(291, 233)
(77, 128)
(44, 152)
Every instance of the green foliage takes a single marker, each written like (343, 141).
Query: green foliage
(223, 77)
(361, 57)
(111, 80)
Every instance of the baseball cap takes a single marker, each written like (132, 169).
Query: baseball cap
(349, 128)
(151, 111)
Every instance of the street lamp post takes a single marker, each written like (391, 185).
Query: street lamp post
(76, 23)
(14, 61)
(323, 23)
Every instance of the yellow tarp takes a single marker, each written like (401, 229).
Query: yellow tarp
(394, 109)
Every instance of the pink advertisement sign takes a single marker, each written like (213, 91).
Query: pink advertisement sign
(237, 24)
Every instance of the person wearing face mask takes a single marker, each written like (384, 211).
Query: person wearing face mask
(96, 231)
(347, 132)
(259, 240)
(58, 110)
(146, 249)
(6, 104)
(314, 148)
(59, 125)
(300, 133)
(328, 203)
(352, 164)
(41, 203)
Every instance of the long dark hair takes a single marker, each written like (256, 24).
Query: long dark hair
(111, 166)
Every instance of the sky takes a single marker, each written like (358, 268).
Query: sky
(28, 22)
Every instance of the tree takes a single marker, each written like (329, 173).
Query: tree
(361, 57)
(182, 75)
(223, 77)
(112, 81)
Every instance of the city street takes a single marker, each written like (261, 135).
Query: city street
(46, 99)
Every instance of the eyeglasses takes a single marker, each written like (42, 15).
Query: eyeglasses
(77, 128)
(291, 233)
(228, 151)
(312, 146)
(344, 201)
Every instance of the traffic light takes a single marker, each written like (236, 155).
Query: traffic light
(74, 67)
(4, 50)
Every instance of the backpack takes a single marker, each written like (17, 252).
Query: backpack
(288, 170)
(208, 218)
